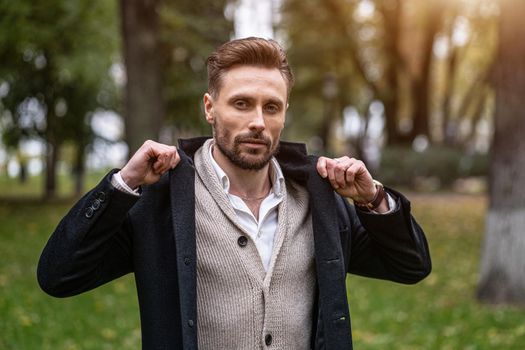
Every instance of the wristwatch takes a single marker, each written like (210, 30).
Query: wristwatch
(378, 198)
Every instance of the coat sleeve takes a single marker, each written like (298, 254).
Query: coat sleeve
(91, 245)
(385, 246)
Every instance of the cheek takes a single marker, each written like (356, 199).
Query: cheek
(276, 127)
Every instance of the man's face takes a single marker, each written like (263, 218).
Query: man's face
(248, 115)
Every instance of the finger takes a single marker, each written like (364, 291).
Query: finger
(165, 156)
(175, 160)
(331, 165)
(172, 159)
(362, 182)
(158, 165)
(321, 167)
(350, 174)
(170, 163)
(341, 165)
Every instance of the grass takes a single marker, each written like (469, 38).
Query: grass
(106, 318)
(439, 313)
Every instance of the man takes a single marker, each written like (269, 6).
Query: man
(239, 241)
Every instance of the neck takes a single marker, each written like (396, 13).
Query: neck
(244, 183)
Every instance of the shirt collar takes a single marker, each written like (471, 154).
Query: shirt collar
(276, 174)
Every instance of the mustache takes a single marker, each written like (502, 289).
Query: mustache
(252, 137)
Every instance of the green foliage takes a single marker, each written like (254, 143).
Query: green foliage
(57, 53)
(318, 49)
(190, 30)
(401, 166)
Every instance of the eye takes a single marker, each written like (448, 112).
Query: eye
(272, 108)
(240, 104)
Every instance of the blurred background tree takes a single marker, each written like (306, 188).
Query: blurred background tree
(503, 261)
(165, 44)
(61, 63)
(55, 59)
(423, 67)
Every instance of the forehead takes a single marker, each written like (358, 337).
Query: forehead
(253, 80)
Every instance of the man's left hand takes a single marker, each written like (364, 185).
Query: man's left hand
(349, 177)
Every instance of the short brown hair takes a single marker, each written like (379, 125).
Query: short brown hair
(247, 51)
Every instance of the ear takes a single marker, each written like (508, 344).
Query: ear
(208, 108)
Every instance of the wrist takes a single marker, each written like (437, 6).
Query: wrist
(377, 201)
(129, 180)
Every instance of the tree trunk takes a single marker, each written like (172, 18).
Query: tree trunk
(476, 116)
(52, 151)
(421, 84)
(450, 127)
(391, 20)
(79, 170)
(502, 277)
(144, 103)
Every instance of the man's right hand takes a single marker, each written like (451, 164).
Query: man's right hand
(148, 164)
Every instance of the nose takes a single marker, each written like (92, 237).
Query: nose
(257, 122)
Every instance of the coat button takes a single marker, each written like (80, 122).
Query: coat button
(242, 241)
(96, 204)
(268, 339)
(89, 212)
(190, 323)
(101, 196)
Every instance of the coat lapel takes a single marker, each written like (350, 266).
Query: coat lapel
(331, 275)
(182, 196)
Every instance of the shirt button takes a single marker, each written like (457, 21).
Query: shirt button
(190, 323)
(268, 339)
(89, 212)
(242, 241)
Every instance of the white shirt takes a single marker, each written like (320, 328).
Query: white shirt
(261, 231)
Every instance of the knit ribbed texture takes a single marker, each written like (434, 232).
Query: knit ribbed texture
(238, 303)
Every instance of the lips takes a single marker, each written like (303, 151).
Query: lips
(255, 141)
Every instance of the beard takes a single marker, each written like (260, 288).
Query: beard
(253, 159)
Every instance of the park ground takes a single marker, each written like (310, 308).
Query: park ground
(439, 313)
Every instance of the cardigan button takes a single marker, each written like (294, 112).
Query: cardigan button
(187, 261)
(242, 241)
(191, 323)
(268, 339)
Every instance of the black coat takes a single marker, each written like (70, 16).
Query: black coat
(108, 234)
